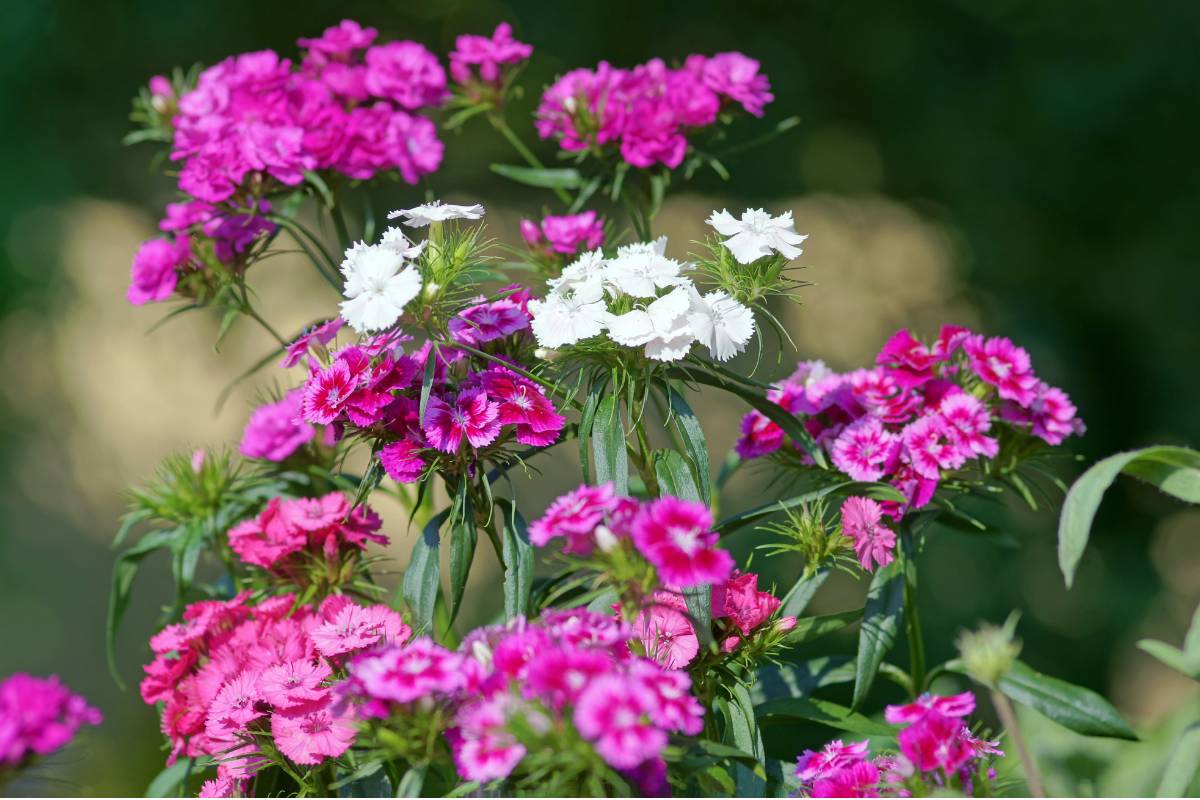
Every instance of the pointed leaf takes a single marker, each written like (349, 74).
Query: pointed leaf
(422, 577)
(518, 555)
(688, 425)
(879, 491)
(1182, 764)
(809, 628)
(881, 621)
(463, 539)
(1073, 707)
(823, 712)
(801, 679)
(608, 445)
(554, 178)
(801, 593)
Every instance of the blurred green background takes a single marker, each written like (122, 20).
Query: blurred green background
(1023, 166)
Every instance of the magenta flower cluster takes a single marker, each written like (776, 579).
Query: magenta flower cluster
(935, 746)
(571, 668)
(567, 235)
(675, 536)
(921, 412)
(37, 717)
(484, 59)
(325, 526)
(647, 113)
(232, 671)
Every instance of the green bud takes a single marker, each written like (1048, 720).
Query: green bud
(989, 652)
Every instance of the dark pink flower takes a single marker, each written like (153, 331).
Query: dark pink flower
(311, 733)
(275, 430)
(935, 742)
(760, 436)
(264, 540)
(321, 334)
(38, 716)
(864, 450)
(1050, 414)
(862, 521)
(567, 235)
(340, 40)
(930, 445)
(1002, 364)
(614, 713)
(665, 632)
(523, 403)
(574, 516)
(486, 322)
(408, 672)
(737, 77)
(402, 461)
(958, 705)
(741, 602)
(487, 55)
(326, 392)
(155, 269)
(676, 536)
(471, 416)
(407, 74)
(969, 421)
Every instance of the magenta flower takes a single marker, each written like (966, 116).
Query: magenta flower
(559, 674)
(408, 672)
(574, 516)
(39, 716)
(675, 709)
(266, 539)
(235, 706)
(488, 55)
(874, 542)
(310, 734)
(326, 392)
(402, 461)
(969, 420)
(470, 415)
(929, 445)
(1050, 414)
(740, 601)
(407, 74)
(275, 430)
(155, 269)
(958, 705)
(735, 76)
(294, 683)
(1002, 364)
(676, 536)
(356, 628)
(341, 40)
(313, 514)
(936, 742)
(523, 403)
(760, 436)
(864, 450)
(614, 714)
(484, 750)
(665, 632)
(321, 334)
(567, 235)
(487, 322)
(836, 755)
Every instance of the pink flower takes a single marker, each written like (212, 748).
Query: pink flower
(484, 750)
(567, 235)
(574, 516)
(275, 430)
(402, 461)
(310, 734)
(266, 539)
(523, 403)
(581, 108)
(488, 55)
(665, 632)
(408, 672)
(873, 541)
(320, 334)
(864, 450)
(1002, 364)
(737, 77)
(930, 446)
(155, 269)
(968, 420)
(487, 322)
(675, 709)
(936, 742)
(559, 674)
(221, 786)
(326, 392)
(1050, 414)
(38, 716)
(293, 683)
(235, 707)
(407, 74)
(760, 436)
(355, 628)
(470, 415)
(676, 536)
(741, 602)
(958, 705)
(313, 514)
(341, 40)
(614, 714)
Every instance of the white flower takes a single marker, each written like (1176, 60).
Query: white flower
(585, 269)
(757, 234)
(436, 211)
(720, 323)
(379, 283)
(662, 326)
(639, 270)
(394, 239)
(567, 318)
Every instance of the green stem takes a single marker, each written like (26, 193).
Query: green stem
(912, 616)
(1008, 717)
(339, 224)
(249, 311)
(501, 126)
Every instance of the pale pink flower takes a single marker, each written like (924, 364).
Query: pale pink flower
(969, 420)
(930, 446)
(310, 734)
(294, 683)
(574, 516)
(355, 628)
(665, 632)
(874, 542)
(864, 449)
(676, 536)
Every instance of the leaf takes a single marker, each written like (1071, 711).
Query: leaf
(688, 425)
(125, 569)
(1173, 657)
(427, 382)
(168, 783)
(809, 628)
(741, 730)
(318, 184)
(1073, 707)
(412, 781)
(463, 539)
(674, 477)
(724, 751)
(542, 178)
(879, 491)
(518, 555)
(1182, 764)
(127, 523)
(881, 621)
(800, 679)
(369, 780)
(586, 418)
(801, 593)
(823, 712)
(608, 445)
(699, 605)
(1174, 470)
(422, 577)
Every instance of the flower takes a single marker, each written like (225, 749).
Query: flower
(39, 716)
(873, 541)
(486, 322)
(574, 516)
(936, 741)
(379, 284)
(402, 461)
(489, 54)
(276, 430)
(266, 539)
(1050, 414)
(662, 327)
(404, 673)
(968, 420)
(470, 415)
(236, 705)
(293, 683)
(614, 714)
(567, 235)
(740, 601)
(640, 269)
(959, 705)
(436, 211)
(721, 324)
(757, 234)
(405, 73)
(321, 334)
(309, 734)
(355, 627)
(864, 449)
(666, 633)
(483, 750)
(676, 536)
(735, 76)
(155, 269)
(567, 318)
(316, 513)
(929, 445)
(340, 40)
(1002, 364)
(327, 391)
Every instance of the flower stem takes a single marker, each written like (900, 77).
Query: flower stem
(912, 616)
(1008, 717)
(501, 126)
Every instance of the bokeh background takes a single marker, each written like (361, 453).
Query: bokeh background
(1022, 166)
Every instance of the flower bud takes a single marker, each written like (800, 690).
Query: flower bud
(989, 652)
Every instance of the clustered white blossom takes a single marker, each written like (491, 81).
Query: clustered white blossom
(382, 278)
(757, 234)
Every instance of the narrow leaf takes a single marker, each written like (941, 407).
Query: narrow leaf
(518, 556)
(801, 679)
(879, 491)
(688, 425)
(881, 621)
(463, 539)
(1073, 707)
(809, 628)
(423, 575)
(555, 178)
(801, 593)
(1182, 764)
(823, 712)
(608, 445)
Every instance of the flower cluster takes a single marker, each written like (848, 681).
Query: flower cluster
(640, 298)
(320, 526)
(482, 60)
(523, 688)
(232, 673)
(674, 536)
(938, 752)
(37, 717)
(647, 113)
(920, 413)
(276, 430)
(567, 235)
(256, 123)
(739, 612)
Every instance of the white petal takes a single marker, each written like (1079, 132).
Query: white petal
(724, 223)
(631, 329)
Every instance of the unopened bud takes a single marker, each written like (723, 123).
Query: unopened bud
(989, 652)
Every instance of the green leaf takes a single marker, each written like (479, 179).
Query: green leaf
(1073, 707)
(879, 491)
(369, 780)
(801, 593)
(412, 781)
(1174, 470)
(463, 539)
(427, 382)
(809, 628)
(674, 477)
(586, 417)
(1173, 657)
(800, 679)
(542, 178)
(319, 186)
(518, 556)
(608, 445)
(881, 621)
(699, 605)
(1182, 764)
(422, 577)
(724, 751)
(823, 712)
(125, 569)
(168, 783)
(741, 730)
(688, 425)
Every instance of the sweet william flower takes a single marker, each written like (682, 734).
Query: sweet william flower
(437, 211)
(566, 235)
(676, 536)
(321, 334)
(574, 516)
(567, 318)
(154, 273)
(379, 284)
(276, 430)
(757, 234)
(470, 415)
(402, 461)
(666, 633)
(408, 672)
(489, 55)
(864, 449)
(720, 323)
(662, 326)
(1002, 364)
(407, 74)
(862, 521)
(355, 628)
(614, 714)
(311, 733)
